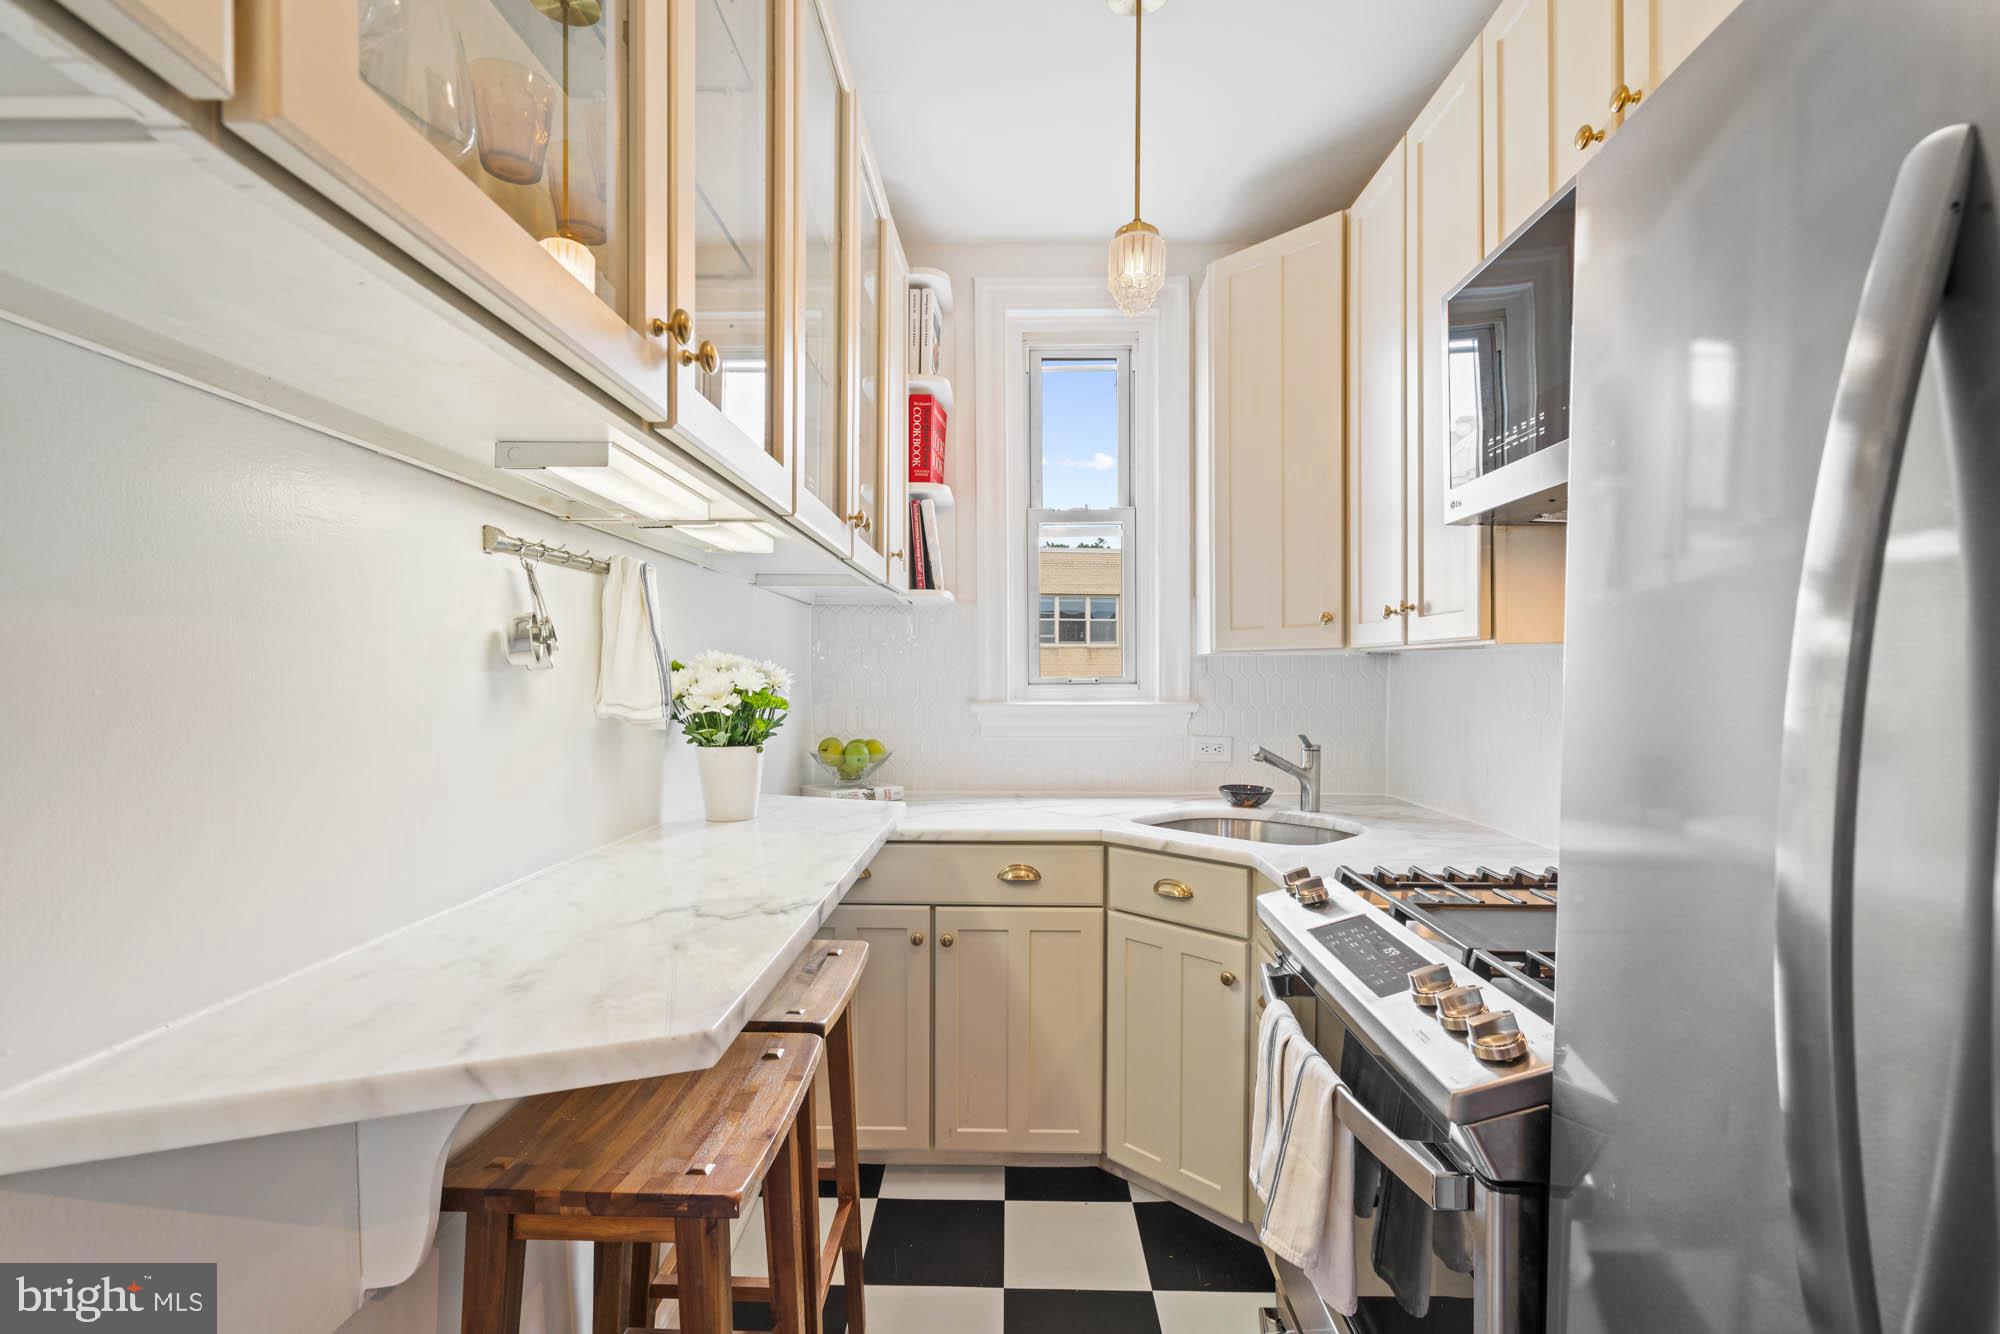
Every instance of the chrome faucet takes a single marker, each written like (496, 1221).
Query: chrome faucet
(1306, 770)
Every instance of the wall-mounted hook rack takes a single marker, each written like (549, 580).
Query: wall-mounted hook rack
(495, 542)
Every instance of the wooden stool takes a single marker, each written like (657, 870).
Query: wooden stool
(814, 999)
(639, 1164)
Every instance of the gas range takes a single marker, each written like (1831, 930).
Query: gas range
(1501, 925)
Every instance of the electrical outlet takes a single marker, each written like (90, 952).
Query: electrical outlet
(1209, 749)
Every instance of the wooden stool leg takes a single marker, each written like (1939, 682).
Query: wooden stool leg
(608, 1287)
(495, 1260)
(784, 1234)
(846, 1162)
(807, 1155)
(701, 1246)
(639, 1303)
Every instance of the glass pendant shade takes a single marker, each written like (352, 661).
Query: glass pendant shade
(1138, 266)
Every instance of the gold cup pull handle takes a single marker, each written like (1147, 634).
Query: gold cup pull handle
(1172, 889)
(1586, 136)
(1020, 873)
(945, 940)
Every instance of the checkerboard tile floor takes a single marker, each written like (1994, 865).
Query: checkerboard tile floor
(1033, 1250)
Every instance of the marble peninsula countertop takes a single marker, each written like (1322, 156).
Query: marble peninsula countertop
(644, 957)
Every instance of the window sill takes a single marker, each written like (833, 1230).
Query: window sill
(1089, 720)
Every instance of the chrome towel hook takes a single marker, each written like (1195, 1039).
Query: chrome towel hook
(531, 638)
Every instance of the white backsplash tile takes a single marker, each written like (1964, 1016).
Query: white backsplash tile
(1478, 732)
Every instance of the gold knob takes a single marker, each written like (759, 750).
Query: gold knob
(678, 326)
(705, 356)
(916, 937)
(1326, 618)
(860, 521)
(1406, 608)
(897, 554)
(1586, 136)
(1020, 873)
(1262, 1001)
(1172, 889)
(1228, 978)
(1622, 97)
(1388, 611)
(867, 873)
(945, 940)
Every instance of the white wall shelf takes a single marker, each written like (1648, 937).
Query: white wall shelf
(934, 280)
(937, 493)
(937, 386)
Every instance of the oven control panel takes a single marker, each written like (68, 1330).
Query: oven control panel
(1370, 952)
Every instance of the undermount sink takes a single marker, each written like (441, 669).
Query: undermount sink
(1249, 829)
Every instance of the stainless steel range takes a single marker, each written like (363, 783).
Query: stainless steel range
(1433, 996)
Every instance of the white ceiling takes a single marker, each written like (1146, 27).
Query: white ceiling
(1011, 120)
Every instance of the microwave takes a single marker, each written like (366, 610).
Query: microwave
(1507, 374)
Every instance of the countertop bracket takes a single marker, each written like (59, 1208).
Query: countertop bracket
(401, 1167)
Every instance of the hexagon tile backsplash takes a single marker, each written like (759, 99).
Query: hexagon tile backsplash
(909, 676)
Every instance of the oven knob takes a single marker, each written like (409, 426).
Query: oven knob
(1430, 982)
(1495, 1035)
(1458, 1005)
(1311, 892)
(1294, 876)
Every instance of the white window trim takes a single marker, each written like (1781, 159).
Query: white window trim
(1009, 313)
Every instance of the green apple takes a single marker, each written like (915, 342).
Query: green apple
(830, 749)
(876, 749)
(856, 754)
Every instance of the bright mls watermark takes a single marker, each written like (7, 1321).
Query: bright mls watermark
(162, 1298)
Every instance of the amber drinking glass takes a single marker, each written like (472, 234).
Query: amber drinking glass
(512, 104)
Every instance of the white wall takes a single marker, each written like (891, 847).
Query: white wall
(1478, 732)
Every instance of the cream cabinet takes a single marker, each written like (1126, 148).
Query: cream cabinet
(1445, 572)
(891, 1013)
(1660, 34)
(1176, 1058)
(1515, 70)
(189, 43)
(1587, 96)
(874, 489)
(823, 121)
(1020, 1029)
(895, 480)
(1377, 406)
(1272, 443)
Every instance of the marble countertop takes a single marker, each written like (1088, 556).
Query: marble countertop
(1385, 831)
(645, 957)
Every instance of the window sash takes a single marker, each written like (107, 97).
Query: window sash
(1126, 519)
(1120, 355)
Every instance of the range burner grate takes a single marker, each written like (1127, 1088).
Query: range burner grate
(1470, 912)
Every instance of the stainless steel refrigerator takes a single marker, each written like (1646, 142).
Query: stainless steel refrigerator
(1774, 1105)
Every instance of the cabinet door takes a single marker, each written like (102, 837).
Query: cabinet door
(503, 144)
(1446, 565)
(825, 145)
(1660, 34)
(865, 494)
(1176, 1020)
(1276, 430)
(1020, 1029)
(1377, 399)
(1515, 80)
(895, 377)
(1585, 64)
(715, 159)
(891, 1014)
(189, 43)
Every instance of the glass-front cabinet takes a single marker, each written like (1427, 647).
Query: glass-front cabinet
(494, 139)
(824, 138)
(874, 492)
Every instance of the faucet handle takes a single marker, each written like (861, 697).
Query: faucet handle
(1306, 743)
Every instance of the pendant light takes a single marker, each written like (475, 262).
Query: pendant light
(1138, 262)
(566, 246)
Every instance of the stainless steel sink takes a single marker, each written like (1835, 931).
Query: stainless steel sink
(1252, 830)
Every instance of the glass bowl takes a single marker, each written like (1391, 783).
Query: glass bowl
(844, 775)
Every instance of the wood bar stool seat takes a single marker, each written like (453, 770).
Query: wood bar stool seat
(645, 1163)
(815, 999)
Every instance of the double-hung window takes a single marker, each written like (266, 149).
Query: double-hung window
(1083, 529)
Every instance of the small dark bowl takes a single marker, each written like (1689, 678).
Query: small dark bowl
(1246, 795)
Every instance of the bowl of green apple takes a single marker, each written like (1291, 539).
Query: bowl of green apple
(850, 762)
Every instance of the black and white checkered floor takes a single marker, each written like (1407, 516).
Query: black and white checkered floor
(1034, 1250)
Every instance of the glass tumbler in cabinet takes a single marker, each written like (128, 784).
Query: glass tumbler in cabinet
(500, 142)
(716, 154)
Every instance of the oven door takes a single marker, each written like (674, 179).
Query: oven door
(1437, 1251)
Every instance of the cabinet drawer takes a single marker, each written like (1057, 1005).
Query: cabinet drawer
(1049, 874)
(1205, 895)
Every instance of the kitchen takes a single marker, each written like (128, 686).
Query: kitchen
(1528, 410)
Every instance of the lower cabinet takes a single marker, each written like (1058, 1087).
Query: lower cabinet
(1176, 1014)
(892, 1026)
(1020, 1029)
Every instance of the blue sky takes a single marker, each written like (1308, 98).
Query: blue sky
(1080, 437)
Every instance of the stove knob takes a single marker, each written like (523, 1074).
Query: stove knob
(1495, 1035)
(1311, 892)
(1293, 877)
(1458, 1005)
(1430, 982)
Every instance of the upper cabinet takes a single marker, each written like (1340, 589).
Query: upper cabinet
(822, 232)
(1377, 406)
(189, 43)
(1271, 443)
(1660, 34)
(496, 142)
(879, 283)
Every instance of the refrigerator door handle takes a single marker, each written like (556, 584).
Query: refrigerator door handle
(1825, 698)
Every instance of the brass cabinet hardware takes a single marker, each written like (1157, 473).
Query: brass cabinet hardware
(916, 937)
(1405, 609)
(897, 554)
(706, 356)
(679, 326)
(1228, 978)
(1622, 97)
(1172, 889)
(1262, 1001)
(867, 873)
(1020, 873)
(860, 521)
(1326, 618)
(944, 941)
(1586, 136)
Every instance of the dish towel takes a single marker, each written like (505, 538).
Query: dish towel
(1276, 1034)
(1310, 1221)
(632, 675)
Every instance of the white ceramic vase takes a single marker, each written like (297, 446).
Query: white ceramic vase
(731, 778)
